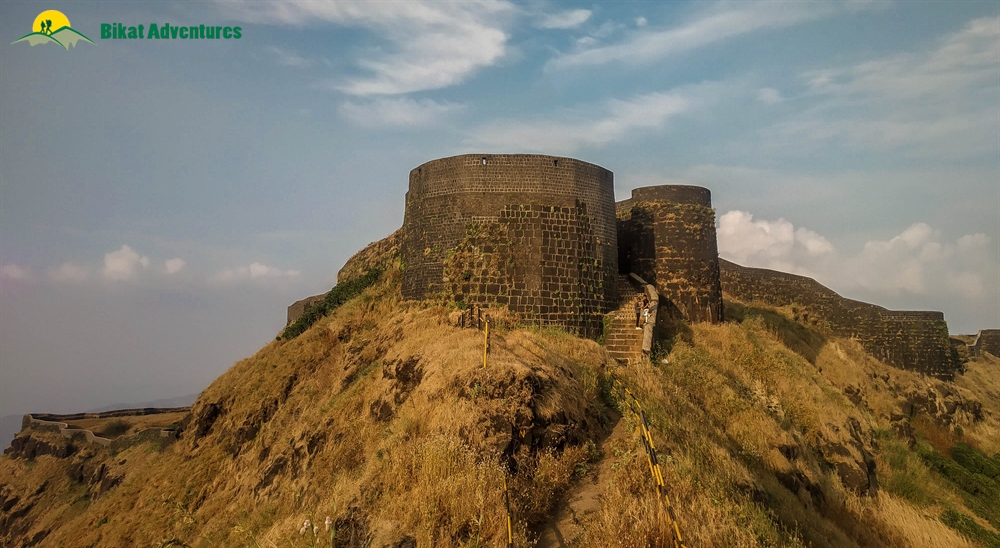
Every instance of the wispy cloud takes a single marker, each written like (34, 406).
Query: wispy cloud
(256, 272)
(564, 19)
(15, 272)
(69, 272)
(769, 96)
(173, 266)
(721, 22)
(941, 103)
(289, 58)
(582, 128)
(917, 261)
(430, 45)
(397, 112)
(124, 264)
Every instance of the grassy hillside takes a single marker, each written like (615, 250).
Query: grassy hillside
(381, 416)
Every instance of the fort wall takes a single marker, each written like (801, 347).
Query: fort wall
(54, 423)
(914, 340)
(987, 340)
(543, 236)
(533, 233)
(666, 234)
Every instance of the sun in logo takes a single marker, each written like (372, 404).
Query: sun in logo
(52, 26)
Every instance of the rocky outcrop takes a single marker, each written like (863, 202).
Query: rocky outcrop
(29, 447)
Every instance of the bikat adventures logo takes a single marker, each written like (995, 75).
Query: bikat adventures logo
(53, 27)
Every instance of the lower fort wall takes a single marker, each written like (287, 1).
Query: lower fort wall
(55, 423)
(913, 340)
(987, 340)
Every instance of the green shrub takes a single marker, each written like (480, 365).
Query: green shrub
(976, 461)
(340, 294)
(967, 526)
(115, 428)
(980, 493)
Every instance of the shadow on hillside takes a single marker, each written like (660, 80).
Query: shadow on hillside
(798, 338)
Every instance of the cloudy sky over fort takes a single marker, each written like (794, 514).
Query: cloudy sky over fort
(162, 201)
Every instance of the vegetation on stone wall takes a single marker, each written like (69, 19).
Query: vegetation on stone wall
(337, 296)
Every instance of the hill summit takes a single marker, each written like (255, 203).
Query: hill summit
(382, 416)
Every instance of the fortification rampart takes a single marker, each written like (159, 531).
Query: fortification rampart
(298, 308)
(533, 233)
(543, 236)
(666, 234)
(59, 424)
(914, 340)
(988, 340)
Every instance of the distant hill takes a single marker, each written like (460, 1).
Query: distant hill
(11, 424)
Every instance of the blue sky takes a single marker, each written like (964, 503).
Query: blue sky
(162, 201)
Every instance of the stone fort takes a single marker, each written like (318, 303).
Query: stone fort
(544, 237)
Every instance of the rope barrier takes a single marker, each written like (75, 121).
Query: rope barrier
(655, 471)
(510, 529)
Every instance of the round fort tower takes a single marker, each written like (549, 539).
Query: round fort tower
(666, 234)
(534, 233)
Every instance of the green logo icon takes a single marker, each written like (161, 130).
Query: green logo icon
(52, 26)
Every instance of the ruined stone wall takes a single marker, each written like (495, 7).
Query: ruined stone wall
(535, 233)
(914, 340)
(666, 234)
(375, 255)
(298, 308)
(989, 341)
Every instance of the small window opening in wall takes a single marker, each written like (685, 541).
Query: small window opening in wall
(555, 162)
(484, 161)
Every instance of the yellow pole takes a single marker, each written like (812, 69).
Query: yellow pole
(486, 342)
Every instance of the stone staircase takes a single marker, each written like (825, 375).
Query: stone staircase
(624, 341)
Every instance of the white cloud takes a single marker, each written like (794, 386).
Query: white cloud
(69, 272)
(579, 129)
(769, 96)
(940, 103)
(917, 261)
(16, 272)
(123, 264)
(289, 58)
(564, 19)
(721, 22)
(396, 112)
(256, 272)
(173, 266)
(640, 21)
(430, 45)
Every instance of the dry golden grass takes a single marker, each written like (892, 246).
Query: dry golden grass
(382, 417)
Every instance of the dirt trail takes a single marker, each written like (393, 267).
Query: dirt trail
(585, 498)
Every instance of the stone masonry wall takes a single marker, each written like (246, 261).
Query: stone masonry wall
(375, 255)
(298, 308)
(666, 234)
(989, 341)
(534, 233)
(914, 340)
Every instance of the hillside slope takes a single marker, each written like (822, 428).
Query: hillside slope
(382, 417)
